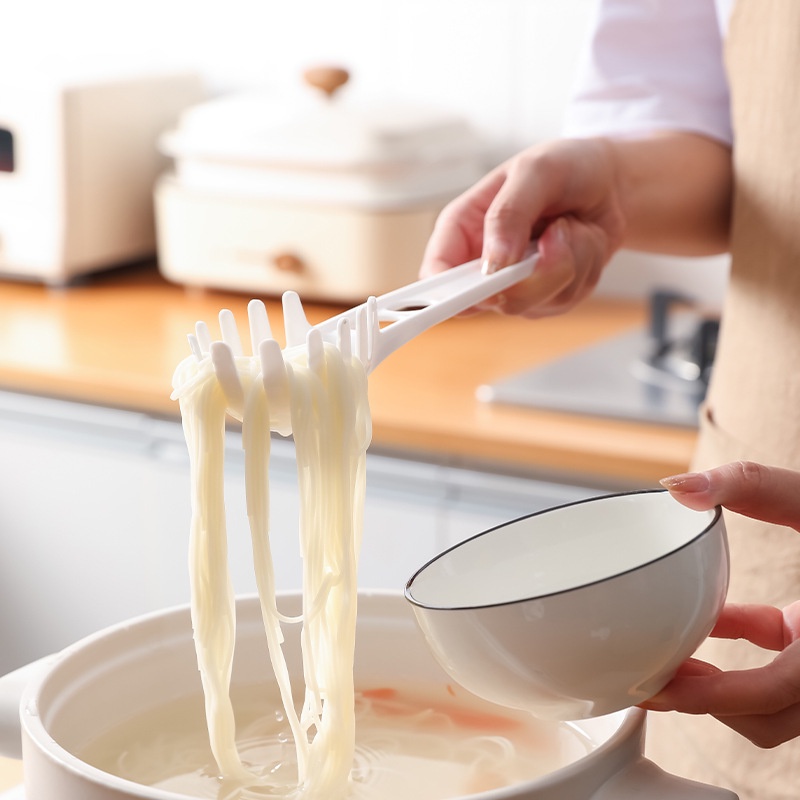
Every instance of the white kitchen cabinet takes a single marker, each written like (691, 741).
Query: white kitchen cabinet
(404, 500)
(94, 518)
(478, 500)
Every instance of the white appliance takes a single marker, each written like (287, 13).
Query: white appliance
(314, 192)
(78, 161)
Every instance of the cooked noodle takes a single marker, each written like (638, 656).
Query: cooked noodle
(331, 424)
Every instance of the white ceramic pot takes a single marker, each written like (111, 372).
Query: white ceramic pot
(145, 663)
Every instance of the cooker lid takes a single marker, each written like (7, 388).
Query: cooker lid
(318, 128)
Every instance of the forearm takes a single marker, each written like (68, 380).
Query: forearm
(675, 192)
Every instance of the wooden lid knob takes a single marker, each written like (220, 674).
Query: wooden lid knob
(288, 262)
(326, 79)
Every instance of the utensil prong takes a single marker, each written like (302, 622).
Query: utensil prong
(276, 385)
(225, 367)
(316, 350)
(295, 323)
(273, 367)
(230, 331)
(343, 339)
(260, 328)
(362, 334)
(373, 330)
(357, 332)
(203, 336)
(194, 346)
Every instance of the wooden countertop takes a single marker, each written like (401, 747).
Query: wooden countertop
(10, 773)
(116, 339)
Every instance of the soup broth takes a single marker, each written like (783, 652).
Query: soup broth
(409, 743)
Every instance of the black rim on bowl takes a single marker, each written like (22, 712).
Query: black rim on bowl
(599, 498)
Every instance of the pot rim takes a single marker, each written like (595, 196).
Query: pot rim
(35, 733)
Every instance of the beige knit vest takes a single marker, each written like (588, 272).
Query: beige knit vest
(753, 407)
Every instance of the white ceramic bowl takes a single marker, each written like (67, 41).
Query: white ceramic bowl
(148, 662)
(580, 610)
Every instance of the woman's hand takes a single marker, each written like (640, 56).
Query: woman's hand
(762, 704)
(770, 494)
(583, 199)
(563, 193)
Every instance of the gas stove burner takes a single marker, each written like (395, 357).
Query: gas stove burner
(678, 359)
(658, 375)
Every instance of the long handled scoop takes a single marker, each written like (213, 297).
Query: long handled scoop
(409, 311)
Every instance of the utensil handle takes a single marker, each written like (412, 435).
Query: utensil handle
(436, 299)
(418, 306)
(643, 780)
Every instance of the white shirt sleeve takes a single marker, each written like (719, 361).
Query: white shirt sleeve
(653, 65)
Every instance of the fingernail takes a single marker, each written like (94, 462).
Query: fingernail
(556, 238)
(653, 704)
(496, 256)
(687, 482)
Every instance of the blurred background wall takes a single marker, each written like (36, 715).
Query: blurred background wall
(506, 65)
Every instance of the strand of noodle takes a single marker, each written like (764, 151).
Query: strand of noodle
(212, 601)
(289, 619)
(256, 442)
(188, 375)
(302, 426)
(362, 436)
(333, 748)
(505, 745)
(307, 396)
(332, 429)
(317, 603)
(314, 643)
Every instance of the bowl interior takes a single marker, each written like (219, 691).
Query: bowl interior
(559, 550)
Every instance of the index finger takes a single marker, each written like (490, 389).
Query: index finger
(457, 235)
(771, 494)
(516, 213)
